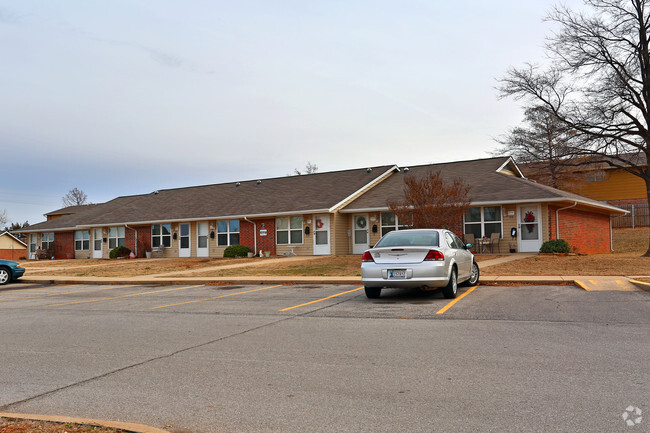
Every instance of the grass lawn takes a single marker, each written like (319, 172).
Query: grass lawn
(626, 260)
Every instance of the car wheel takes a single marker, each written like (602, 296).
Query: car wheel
(473, 276)
(372, 292)
(5, 276)
(451, 289)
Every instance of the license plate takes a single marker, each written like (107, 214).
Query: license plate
(397, 273)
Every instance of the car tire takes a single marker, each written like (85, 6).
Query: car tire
(473, 275)
(5, 276)
(372, 292)
(451, 289)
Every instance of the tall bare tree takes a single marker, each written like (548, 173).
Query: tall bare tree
(3, 217)
(430, 202)
(309, 169)
(543, 144)
(75, 197)
(597, 82)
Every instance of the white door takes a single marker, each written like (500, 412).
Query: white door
(321, 235)
(97, 244)
(184, 249)
(529, 228)
(360, 241)
(202, 240)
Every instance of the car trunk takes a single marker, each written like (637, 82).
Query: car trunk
(405, 255)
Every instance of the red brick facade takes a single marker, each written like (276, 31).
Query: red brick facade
(586, 232)
(64, 245)
(144, 239)
(17, 254)
(264, 243)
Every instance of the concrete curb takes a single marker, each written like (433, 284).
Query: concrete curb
(136, 428)
(640, 284)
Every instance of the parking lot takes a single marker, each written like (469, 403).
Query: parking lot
(202, 358)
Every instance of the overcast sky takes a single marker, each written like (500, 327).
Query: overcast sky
(124, 97)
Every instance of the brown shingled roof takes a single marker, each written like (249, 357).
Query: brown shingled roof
(492, 180)
(291, 194)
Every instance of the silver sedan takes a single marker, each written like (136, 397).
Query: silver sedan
(425, 258)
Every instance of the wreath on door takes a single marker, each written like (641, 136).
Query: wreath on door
(529, 217)
(361, 222)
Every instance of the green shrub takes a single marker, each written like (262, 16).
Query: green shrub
(236, 251)
(119, 252)
(555, 246)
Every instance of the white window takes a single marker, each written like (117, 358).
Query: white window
(483, 221)
(82, 240)
(390, 222)
(116, 237)
(288, 230)
(47, 240)
(227, 233)
(161, 234)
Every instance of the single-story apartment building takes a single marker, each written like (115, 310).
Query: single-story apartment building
(12, 248)
(332, 213)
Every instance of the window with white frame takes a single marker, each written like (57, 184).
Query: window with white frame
(483, 221)
(82, 240)
(161, 234)
(288, 230)
(390, 222)
(227, 233)
(116, 237)
(47, 240)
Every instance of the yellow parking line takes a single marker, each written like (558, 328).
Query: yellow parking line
(582, 285)
(323, 299)
(594, 282)
(215, 297)
(622, 285)
(124, 296)
(451, 304)
(65, 293)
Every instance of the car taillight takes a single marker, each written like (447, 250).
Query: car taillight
(367, 257)
(434, 255)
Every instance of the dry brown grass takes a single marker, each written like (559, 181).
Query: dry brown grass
(629, 244)
(13, 425)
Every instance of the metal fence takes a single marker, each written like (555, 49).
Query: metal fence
(639, 216)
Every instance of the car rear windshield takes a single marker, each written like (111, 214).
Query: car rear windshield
(397, 239)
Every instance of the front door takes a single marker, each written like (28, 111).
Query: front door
(530, 234)
(202, 247)
(360, 241)
(97, 244)
(321, 235)
(184, 241)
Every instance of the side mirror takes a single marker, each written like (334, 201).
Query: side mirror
(468, 246)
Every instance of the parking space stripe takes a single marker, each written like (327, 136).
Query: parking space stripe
(65, 293)
(215, 297)
(124, 296)
(582, 285)
(323, 299)
(451, 304)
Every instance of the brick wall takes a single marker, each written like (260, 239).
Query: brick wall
(264, 243)
(64, 245)
(16, 254)
(586, 232)
(144, 239)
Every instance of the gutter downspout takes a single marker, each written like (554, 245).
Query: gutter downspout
(254, 234)
(136, 238)
(557, 218)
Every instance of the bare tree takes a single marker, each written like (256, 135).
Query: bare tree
(14, 229)
(309, 169)
(430, 202)
(597, 83)
(75, 197)
(3, 217)
(542, 143)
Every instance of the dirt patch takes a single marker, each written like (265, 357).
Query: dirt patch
(13, 425)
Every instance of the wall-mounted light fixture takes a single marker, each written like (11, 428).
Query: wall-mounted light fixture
(374, 228)
(307, 230)
(175, 236)
(211, 235)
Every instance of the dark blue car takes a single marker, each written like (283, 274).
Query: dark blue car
(10, 271)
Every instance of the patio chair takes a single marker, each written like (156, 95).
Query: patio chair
(495, 238)
(469, 239)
